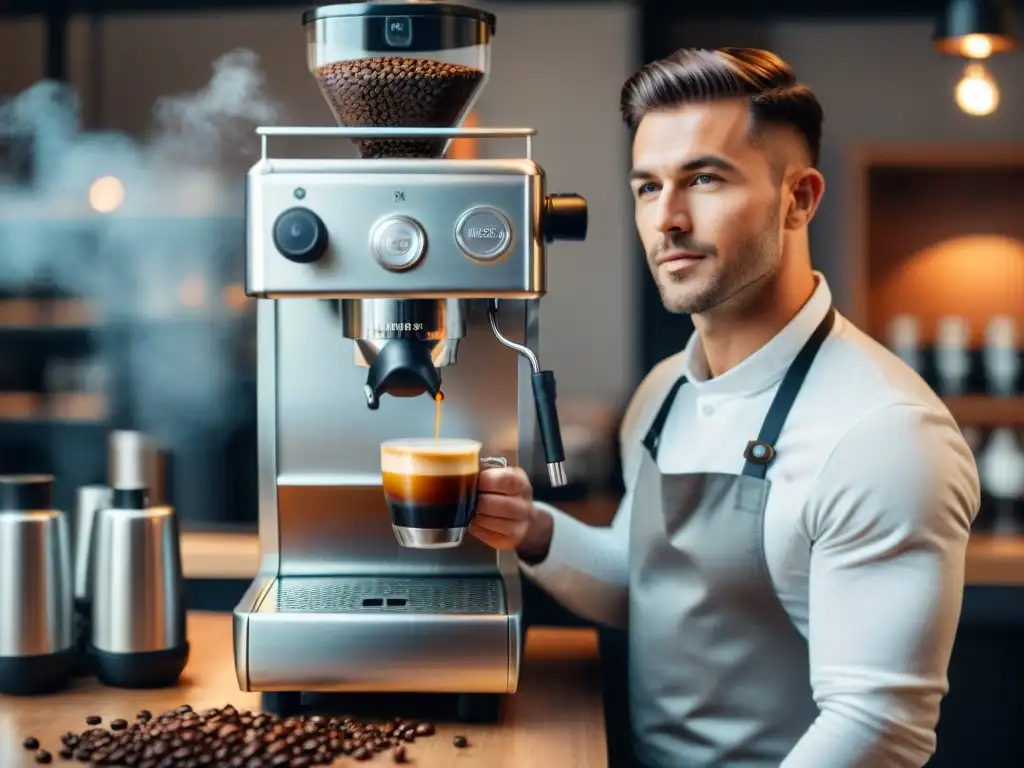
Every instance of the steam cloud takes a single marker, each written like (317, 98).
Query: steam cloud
(148, 229)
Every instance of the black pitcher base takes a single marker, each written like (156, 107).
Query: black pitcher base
(453, 707)
(151, 669)
(36, 675)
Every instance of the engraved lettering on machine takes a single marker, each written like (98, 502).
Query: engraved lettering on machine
(391, 327)
(486, 233)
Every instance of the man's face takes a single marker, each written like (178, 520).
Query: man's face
(707, 204)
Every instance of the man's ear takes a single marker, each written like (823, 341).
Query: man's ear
(806, 188)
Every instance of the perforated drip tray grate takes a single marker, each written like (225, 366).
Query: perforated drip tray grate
(401, 595)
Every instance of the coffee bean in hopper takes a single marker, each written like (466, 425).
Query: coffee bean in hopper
(398, 91)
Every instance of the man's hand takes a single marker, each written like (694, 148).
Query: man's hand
(505, 515)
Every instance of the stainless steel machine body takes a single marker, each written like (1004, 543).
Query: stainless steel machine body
(403, 277)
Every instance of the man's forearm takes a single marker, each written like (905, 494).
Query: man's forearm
(583, 567)
(846, 740)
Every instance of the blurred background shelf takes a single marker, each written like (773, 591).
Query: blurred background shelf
(938, 232)
(987, 411)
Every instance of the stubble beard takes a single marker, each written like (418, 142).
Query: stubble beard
(758, 257)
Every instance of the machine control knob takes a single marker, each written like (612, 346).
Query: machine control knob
(565, 218)
(483, 233)
(300, 235)
(398, 243)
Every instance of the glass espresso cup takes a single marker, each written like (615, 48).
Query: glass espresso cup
(430, 486)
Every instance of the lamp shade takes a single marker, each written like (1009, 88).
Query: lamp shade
(975, 28)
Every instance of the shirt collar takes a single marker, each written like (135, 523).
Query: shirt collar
(768, 364)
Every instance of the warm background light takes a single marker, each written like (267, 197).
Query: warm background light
(192, 292)
(106, 194)
(235, 298)
(976, 46)
(976, 277)
(977, 92)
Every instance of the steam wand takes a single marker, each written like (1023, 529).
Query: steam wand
(544, 395)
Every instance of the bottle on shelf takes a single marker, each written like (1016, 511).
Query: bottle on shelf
(1001, 357)
(1001, 471)
(952, 356)
(905, 341)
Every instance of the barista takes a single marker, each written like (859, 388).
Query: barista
(789, 553)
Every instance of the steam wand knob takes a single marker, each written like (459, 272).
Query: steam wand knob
(565, 217)
(544, 394)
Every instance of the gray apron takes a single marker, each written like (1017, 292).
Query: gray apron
(719, 676)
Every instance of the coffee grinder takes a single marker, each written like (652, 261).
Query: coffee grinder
(381, 281)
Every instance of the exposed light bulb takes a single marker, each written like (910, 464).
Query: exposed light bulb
(977, 93)
(106, 194)
(976, 46)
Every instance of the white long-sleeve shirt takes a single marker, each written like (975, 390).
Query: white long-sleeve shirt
(873, 492)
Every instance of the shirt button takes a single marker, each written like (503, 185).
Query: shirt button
(708, 410)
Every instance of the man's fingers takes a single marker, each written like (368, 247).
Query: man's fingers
(488, 537)
(498, 505)
(500, 525)
(511, 481)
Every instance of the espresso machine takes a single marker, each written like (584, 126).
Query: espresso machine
(383, 280)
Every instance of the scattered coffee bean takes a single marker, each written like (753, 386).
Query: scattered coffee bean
(42, 756)
(93, 720)
(31, 743)
(424, 729)
(398, 91)
(460, 742)
(230, 738)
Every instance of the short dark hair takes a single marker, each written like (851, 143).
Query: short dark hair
(694, 74)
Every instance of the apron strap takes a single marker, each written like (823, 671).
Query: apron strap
(653, 438)
(760, 452)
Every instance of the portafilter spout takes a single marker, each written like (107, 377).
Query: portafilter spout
(403, 342)
(403, 368)
(544, 395)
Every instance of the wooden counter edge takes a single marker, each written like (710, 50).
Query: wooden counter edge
(558, 709)
(991, 560)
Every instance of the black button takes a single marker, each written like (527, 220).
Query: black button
(300, 235)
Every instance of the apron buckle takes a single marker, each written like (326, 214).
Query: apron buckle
(759, 452)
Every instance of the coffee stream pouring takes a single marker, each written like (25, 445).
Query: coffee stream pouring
(375, 276)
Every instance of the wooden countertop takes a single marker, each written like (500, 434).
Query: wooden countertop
(991, 560)
(555, 719)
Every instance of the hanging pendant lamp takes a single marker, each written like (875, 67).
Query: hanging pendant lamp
(975, 29)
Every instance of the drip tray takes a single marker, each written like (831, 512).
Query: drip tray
(427, 595)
